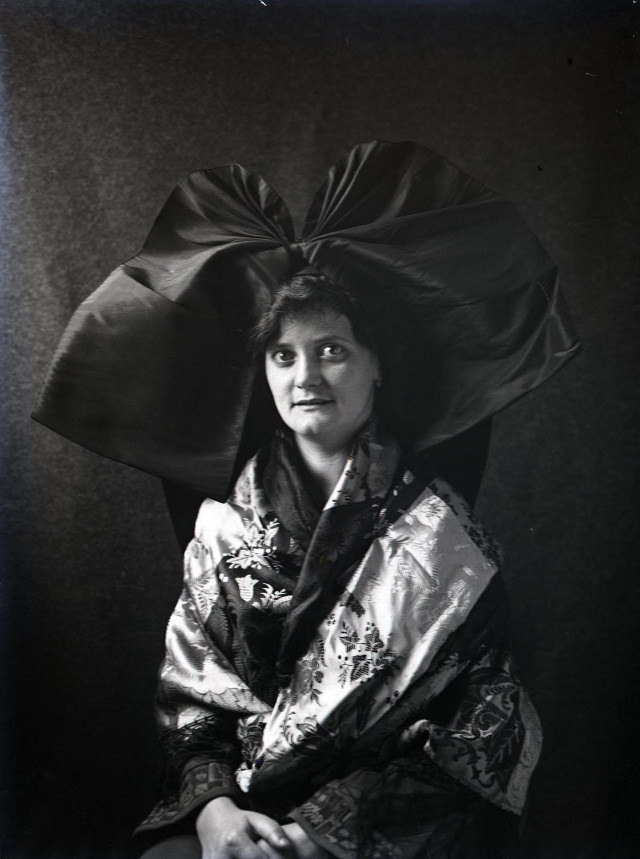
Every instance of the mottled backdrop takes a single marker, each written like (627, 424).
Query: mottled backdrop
(104, 105)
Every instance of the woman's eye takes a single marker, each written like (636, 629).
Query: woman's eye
(282, 356)
(333, 350)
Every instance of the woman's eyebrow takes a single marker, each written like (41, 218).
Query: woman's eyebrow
(278, 344)
(321, 338)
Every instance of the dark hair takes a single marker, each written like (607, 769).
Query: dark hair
(309, 294)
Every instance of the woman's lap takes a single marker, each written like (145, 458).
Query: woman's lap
(177, 847)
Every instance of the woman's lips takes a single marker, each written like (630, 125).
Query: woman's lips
(316, 401)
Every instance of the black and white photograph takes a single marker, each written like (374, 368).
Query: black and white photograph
(320, 335)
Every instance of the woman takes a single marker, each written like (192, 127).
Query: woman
(338, 679)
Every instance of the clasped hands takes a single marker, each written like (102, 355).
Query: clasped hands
(228, 832)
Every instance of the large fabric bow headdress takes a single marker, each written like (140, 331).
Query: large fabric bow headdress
(154, 370)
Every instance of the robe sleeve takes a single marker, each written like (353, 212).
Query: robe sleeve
(200, 698)
(457, 766)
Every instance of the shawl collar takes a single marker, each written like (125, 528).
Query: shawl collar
(336, 538)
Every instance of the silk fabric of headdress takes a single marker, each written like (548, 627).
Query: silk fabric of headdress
(154, 370)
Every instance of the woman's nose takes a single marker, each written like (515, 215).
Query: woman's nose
(307, 372)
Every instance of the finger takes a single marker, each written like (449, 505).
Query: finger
(272, 832)
(268, 850)
(239, 845)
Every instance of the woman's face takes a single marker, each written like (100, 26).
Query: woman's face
(322, 379)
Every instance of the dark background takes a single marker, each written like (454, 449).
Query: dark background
(103, 107)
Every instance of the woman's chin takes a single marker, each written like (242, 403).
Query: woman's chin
(323, 427)
(313, 429)
(312, 420)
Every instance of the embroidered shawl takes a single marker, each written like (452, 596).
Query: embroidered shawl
(348, 668)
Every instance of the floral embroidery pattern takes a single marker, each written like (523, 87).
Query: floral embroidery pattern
(250, 730)
(258, 547)
(309, 678)
(245, 585)
(363, 657)
(311, 674)
(271, 600)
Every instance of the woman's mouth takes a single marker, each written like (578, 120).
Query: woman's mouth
(312, 401)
